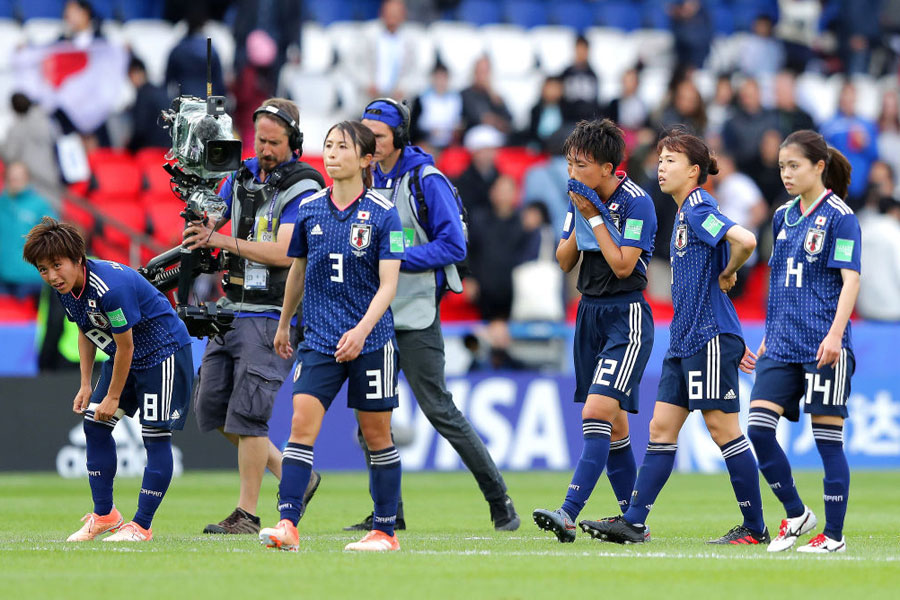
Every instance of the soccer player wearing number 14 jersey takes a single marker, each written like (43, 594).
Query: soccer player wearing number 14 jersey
(151, 370)
(806, 357)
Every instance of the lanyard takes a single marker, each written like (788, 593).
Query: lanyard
(271, 211)
(803, 215)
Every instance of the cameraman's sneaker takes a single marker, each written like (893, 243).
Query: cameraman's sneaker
(503, 515)
(740, 535)
(238, 522)
(131, 532)
(95, 525)
(791, 529)
(616, 529)
(283, 536)
(375, 541)
(557, 521)
(822, 544)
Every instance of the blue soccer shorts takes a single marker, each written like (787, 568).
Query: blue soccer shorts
(821, 391)
(162, 393)
(613, 340)
(372, 378)
(707, 380)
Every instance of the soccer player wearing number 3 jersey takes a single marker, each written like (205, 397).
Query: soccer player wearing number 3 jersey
(347, 247)
(700, 370)
(151, 370)
(806, 356)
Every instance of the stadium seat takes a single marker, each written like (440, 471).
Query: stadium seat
(458, 45)
(128, 10)
(326, 13)
(318, 164)
(654, 15)
(42, 31)
(72, 213)
(113, 243)
(620, 15)
(554, 47)
(656, 47)
(7, 9)
(576, 15)
(606, 42)
(317, 54)
(41, 9)
(514, 161)
(455, 307)
(152, 40)
(509, 49)
(723, 20)
(313, 93)
(520, 93)
(365, 10)
(115, 175)
(11, 37)
(526, 13)
(164, 220)
(453, 161)
(480, 12)
(14, 310)
(104, 9)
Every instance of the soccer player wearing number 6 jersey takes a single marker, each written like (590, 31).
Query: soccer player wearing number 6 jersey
(347, 246)
(700, 370)
(806, 356)
(151, 370)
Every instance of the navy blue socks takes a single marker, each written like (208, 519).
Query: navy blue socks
(590, 465)
(157, 473)
(772, 461)
(655, 470)
(296, 469)
(384, 483)
(621, 470)
(101, 461)
(744, 474)
(830, 443)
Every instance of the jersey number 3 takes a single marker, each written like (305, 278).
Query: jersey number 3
(337, 263)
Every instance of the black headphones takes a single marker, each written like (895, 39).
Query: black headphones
(401, 131)
(295, 137)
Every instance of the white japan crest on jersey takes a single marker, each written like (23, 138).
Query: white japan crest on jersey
(92, 303)
(98, 319)
(820, 220)
(815, 240)
(363, 215)
(681, 237)
(360, 235)
(614, 206)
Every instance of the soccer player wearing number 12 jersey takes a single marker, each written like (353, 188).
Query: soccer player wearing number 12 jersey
(151, 370)
(807, 356)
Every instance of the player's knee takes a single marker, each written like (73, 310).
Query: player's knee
(662, 432)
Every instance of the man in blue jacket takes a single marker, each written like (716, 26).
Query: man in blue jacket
(435, 240)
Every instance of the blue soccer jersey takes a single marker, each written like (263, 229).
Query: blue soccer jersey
(117, 298)
(342, 249)
(805, 281)
(634, 217)
(699, 253)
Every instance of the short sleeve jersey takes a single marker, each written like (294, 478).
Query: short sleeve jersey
(117, 298)
(805, 279)
(699, 253)
(634, 216)
(343, 249)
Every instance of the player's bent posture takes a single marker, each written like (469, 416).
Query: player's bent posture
(347, 247)
(806, 355)
(700, 370)
(614, 327)
(150, 370)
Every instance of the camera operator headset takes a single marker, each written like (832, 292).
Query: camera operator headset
(263, 198)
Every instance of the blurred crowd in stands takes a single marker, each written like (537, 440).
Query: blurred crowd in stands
(494, 89)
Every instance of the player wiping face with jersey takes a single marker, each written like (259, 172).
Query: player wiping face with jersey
(151, 370)
(807, 355)
(346, 247)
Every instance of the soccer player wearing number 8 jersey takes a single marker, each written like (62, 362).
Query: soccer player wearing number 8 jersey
(151, 370)
(806, 356)
(347, 247)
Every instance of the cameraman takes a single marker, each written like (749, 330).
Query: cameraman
(435, 240)
(240, 377)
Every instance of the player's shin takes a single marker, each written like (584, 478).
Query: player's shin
(101, 463)
(296, 469)
(157, 473)
(384, 481)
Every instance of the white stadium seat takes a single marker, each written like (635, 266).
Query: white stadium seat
(11, 37)
(509, 49)
(520, 93)
(656, 47)
(317, 54)
(459, 45)
(817, 95)
(152, 40)
(42, 31)
(554, 47)
(611, 52)
(312, 92)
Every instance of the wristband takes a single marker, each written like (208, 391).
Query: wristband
(595, 221)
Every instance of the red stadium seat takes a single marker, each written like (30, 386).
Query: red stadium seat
(318, 164)
(155, 180)
(113, 243)
(77, 216)
(455, 307)
(14, 310)
(514, 161)
(164, 218)
(115, 174)
(453, 161)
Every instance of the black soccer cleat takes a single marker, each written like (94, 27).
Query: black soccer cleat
(740, 535)
(557, 521)
(366, 524)
(503, 515)
(616, 529)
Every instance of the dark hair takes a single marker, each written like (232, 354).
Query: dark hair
(136, 64)
(288, 106)
(679, 139)
(20, 103)
(601, 140)
(362, 138)
(836, 175)
(51, 239)
(581, 39)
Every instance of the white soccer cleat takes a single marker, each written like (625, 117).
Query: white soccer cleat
(791, 529)
(822, 544)
(131, 532)
(95, 525)
(375, 541)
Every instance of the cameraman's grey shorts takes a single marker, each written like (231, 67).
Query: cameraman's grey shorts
(239, 379)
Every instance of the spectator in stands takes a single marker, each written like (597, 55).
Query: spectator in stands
(889, 131)
(437, 112)
(22, 208)
(149, 100)
(721, 108)
(879, 283)
(280, 20)
(856, 138)
(798, 29)
(581, 86)
(545, 183)
(743, 132)
(482, 142)
(686, 108)
(546, 115)
(880, 189)
(255, 82)
(79, 24)
(693, 31)
(627, 109)
(389, 54)
(766, 174)
(31, 140)
(481, 105)
(790, 117)
(760, 54)
(858, 32)
(498, 242)
(186, 67)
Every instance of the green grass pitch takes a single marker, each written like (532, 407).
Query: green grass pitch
(449, 551)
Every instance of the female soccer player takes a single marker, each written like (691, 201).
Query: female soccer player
(806, 353)
(700, 370)
(150, 370)
(347, 247)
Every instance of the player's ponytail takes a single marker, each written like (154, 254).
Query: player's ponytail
(836, 176)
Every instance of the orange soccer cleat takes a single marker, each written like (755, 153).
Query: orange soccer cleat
(283, 536)
(375, 541)
(95, 525)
